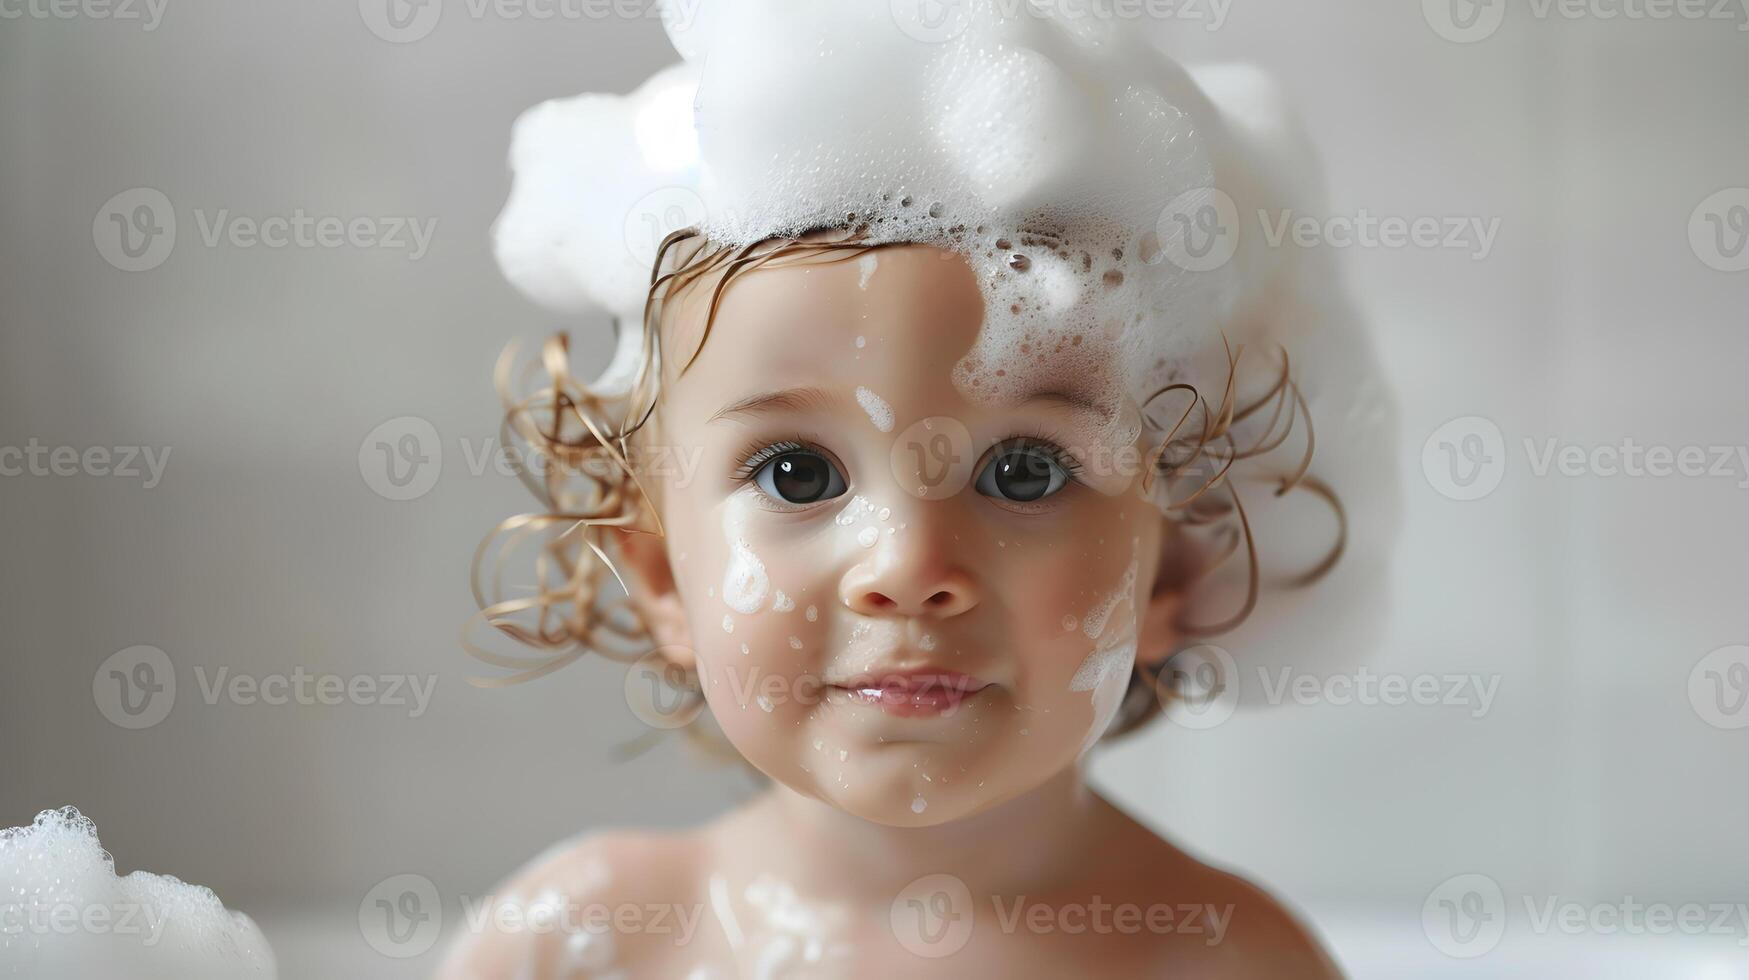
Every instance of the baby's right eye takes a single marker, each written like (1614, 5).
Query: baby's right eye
(799, 476)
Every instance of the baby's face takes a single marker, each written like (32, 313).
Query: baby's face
(904, 601)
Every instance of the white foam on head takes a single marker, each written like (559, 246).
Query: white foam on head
(69, 916)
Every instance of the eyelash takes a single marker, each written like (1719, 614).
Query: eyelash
(1044, 440)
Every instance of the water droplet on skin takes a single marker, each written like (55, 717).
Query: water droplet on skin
(765, 704)
(885, 512)
(1148, 249)
(728, 623)
(813, 613)
(918, 804)
(819, 745)
(745, 649)
(1069, 623)
(866, 537)
(861, 342)
(795, 643)
(843, 754)
(926, 642)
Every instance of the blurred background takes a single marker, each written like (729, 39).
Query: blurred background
(266, 531)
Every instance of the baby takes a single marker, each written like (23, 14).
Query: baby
(962, 460)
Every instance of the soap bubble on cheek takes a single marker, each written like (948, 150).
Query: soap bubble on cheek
(1106, 670)
(745, 582)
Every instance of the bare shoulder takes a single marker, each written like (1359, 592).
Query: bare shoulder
(1225, 924)
(566, 908)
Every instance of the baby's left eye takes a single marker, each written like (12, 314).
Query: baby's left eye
(1022, 473)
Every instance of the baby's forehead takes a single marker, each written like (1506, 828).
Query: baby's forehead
(892, 326)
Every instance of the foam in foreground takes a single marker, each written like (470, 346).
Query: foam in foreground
(64, 913)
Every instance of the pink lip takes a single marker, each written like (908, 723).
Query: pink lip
(909, 694)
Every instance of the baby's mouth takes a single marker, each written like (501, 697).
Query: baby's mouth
(908, 694)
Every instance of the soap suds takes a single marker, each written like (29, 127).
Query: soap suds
(744, 580)
(865, 268)
(154, 927)
(879, 412)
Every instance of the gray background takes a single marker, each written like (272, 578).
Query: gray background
(264, 548)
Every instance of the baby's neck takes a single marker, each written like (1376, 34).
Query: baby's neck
(1038, 841)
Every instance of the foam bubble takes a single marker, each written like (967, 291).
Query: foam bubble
(879, 412)
(69, 915)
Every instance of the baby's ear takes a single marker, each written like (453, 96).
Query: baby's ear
(650, 577)
(1156, 622)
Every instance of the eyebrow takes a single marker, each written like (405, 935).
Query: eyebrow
(803, 399)
(786, 399)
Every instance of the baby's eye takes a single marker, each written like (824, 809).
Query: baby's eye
(799, 477)
(1022, 472)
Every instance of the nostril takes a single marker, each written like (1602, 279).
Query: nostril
(880, 601)
(940, 599)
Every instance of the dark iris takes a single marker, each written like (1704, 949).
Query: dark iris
(1022, 474)
(800, 478)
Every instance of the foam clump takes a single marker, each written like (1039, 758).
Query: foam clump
(64, 913)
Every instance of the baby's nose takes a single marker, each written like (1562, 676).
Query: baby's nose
(907, 581)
